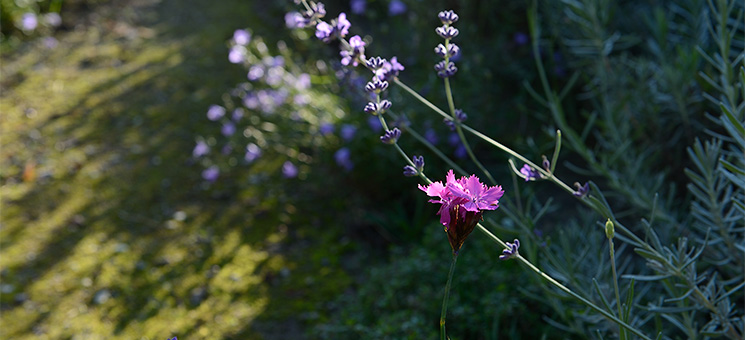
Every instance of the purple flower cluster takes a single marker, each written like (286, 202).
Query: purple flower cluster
(463, 202)
(309, 17)
(343, 159)
(411, 171)
(338, 28)
(353, 52)
(391, 136)
(446, 68)
(460, 116)
(582, 190)
(238, 51)
(530, 173)
(511, 250)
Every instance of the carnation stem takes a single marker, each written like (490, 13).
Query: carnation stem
(444, 311)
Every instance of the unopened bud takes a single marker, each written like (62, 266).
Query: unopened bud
(610, 230)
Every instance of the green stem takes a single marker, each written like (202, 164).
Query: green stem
(482, 136)
(444, 311)
(622, 333)
(462, 137)
(557, 149)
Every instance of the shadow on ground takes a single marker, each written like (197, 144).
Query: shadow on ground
(107, 230)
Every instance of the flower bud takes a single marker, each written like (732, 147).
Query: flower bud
(610, 230)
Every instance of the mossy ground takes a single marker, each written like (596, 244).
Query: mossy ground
(107, 229)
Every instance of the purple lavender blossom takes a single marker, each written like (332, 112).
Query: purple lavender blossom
(451, 51)
(301, 99)
(582, 190)
(289, 170)
(237, 115)
(460, 151)
(447, 32)
(237, 54)
(354, 53)
(241, 37)
(53, 19)
(375, 63)
(511, 250)
(358, 6)
(342, 157)
(215, 112)
(274, 76)
(376, 85)
(520, 38)
(448, 17)
(396, 7)
(252, 152)
(374, 123)
(324, 31)
(347, 132)
(308, 18)
(200, 149)
(389, 70)
(418, 162)
(377, 108)
(303, 82)
(210, 174)
(295, 20)
(228, 129)
(342, 25)
(255, 73)
(251, 101)
(326, 128)
(410, 171)
(29, 21)
(546, 164)
(391, 136)
(338, 28)
(431, 136)
(529, 173)
(446, 70)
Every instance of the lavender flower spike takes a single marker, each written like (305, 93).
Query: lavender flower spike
(391, 136)
(511, 250)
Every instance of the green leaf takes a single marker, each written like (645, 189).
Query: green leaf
(646, 277)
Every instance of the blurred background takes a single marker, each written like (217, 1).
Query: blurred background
(154, 184)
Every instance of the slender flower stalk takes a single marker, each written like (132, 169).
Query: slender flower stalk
(444, 310)
(609, 233)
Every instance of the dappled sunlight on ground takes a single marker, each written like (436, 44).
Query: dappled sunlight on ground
(106, 230)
